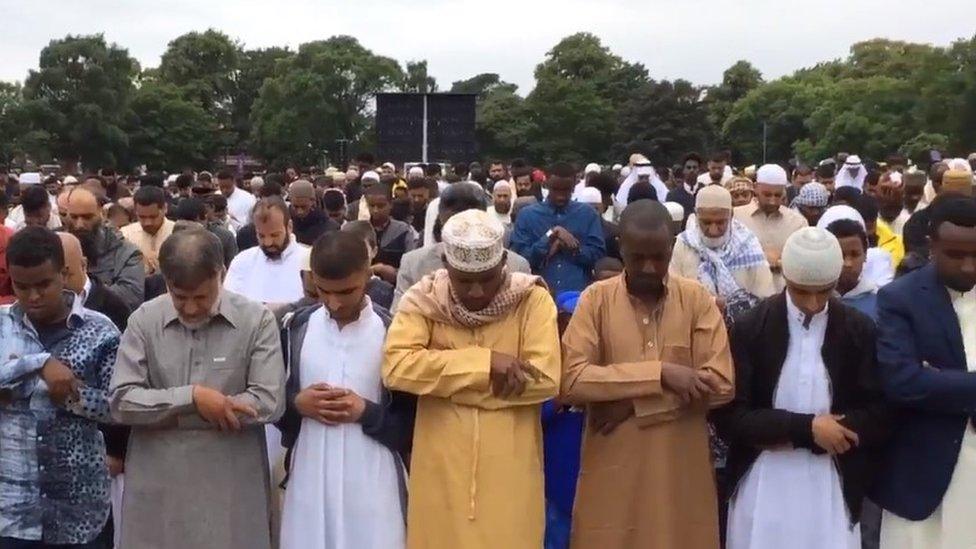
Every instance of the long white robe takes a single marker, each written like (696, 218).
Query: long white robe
(344, 490)
(792, 497)
(951, 525)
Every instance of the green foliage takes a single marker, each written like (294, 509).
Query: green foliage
(255, 67)
(416, 79)
(76, 101)
(203, 66)
(322, 94)
(482, 84)
(167, 131)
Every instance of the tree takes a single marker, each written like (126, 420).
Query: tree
(482, 84)
(580, 87)
(782, 106)
(255, 67)
(11, 121)
(663, 120)
(322, 94)
(167, 131)
(203, 66)
(416, 79)
(76, 102)
(917, 148)
(737, 81)
(503, 124)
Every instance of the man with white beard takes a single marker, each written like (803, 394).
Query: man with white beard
(722, 253)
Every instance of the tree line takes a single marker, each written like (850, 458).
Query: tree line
(89, 101)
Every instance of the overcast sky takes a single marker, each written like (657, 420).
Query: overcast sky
(691, 39)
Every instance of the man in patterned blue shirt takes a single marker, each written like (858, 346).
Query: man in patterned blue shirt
(561, 239)
(56, 362)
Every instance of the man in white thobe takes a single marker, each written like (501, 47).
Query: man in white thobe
(346, 485)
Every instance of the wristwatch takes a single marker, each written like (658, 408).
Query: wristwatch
(549, 233)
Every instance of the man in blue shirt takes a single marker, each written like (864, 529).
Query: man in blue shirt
(57, 362)
(561, 239)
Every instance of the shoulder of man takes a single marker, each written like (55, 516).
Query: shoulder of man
(384, 314)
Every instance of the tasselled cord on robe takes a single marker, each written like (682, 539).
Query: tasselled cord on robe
(475, 443)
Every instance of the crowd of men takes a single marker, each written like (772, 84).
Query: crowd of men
(491, 356)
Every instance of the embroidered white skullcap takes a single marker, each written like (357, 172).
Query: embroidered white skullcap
(676, 210)
(473, 241)
(389, 165)
(618, 167)
(371, 175)
(415, 171)
(840, 211)
(257, 181)
(714, 196)
(852, 160)
(771, 174)
(954, 164)
(812, 257)
(590, 195)
(592, 167)
(29, 178)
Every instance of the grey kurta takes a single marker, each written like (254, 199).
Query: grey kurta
(188, 485)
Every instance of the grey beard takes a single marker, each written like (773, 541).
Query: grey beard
(715, 243)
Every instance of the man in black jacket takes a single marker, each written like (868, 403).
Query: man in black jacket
(340, 423)
(807, 409)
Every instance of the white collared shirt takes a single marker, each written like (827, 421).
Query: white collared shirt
(255, 276)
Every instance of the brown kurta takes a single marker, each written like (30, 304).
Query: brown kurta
(650, 483)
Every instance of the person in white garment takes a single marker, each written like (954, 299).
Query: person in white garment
(808, 410)
(239, 201)
(270, 273)
(927, 355)
(347, 435)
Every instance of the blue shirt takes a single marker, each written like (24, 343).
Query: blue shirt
(564, 271)
(54, 484)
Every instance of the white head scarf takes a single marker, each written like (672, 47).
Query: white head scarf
(504, 218)
(844, 178)
(620, 199)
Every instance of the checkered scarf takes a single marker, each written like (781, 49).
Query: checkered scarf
(741, 251)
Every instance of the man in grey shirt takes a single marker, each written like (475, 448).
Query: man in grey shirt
(199, 373)
(421, 262)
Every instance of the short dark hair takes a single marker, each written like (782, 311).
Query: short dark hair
(118, 208)
(362, 229)
(523, 171)
(218, 202)
(380, 189)
(867, 206)
(415, 183)
(267, 204)
(101, 180)
(562, 169)
(641, 191)
(802, 169)
(461, 197)
(333, 199)
(189, 257)
(518, 163)
(150, 180)
(826, 171)
(896, 159)
(645, 214)
(692, 156)
(719, 156)
(34, 199)
(271, 187)
(845, 228)
(432, 169)
(494, 161)
(958, 210)
(149, 196)
(338, 254)
(460, 169)
(225, 174)
(108, 172)
(847, 194)
(191, 209)
(184, 181)
(32, 246)
(873, 178)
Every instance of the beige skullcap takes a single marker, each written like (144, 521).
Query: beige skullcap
(957, 181)
(812, 257)
(714, 196)
(772, 174)
(473, 241)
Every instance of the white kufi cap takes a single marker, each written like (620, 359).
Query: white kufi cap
(473, 241)
(772, 174)
(812, 257)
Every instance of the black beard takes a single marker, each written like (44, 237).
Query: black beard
(89, 244)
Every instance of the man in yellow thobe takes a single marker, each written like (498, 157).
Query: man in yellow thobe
(480, 348)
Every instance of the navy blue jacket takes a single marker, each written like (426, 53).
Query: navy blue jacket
(924, 375)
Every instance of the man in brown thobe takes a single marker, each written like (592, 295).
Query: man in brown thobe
(648, 355)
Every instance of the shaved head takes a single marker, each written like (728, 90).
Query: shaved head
(645, 215)
(84, 216)
(74, 262)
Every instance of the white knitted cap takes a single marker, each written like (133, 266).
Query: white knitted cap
(840, 211)
(371, 175)
(714, 196)
(590, 195)
(812, 257)
(415, 171)
(676, 210)
(473, 241)
(771, 174)
(592, 167)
